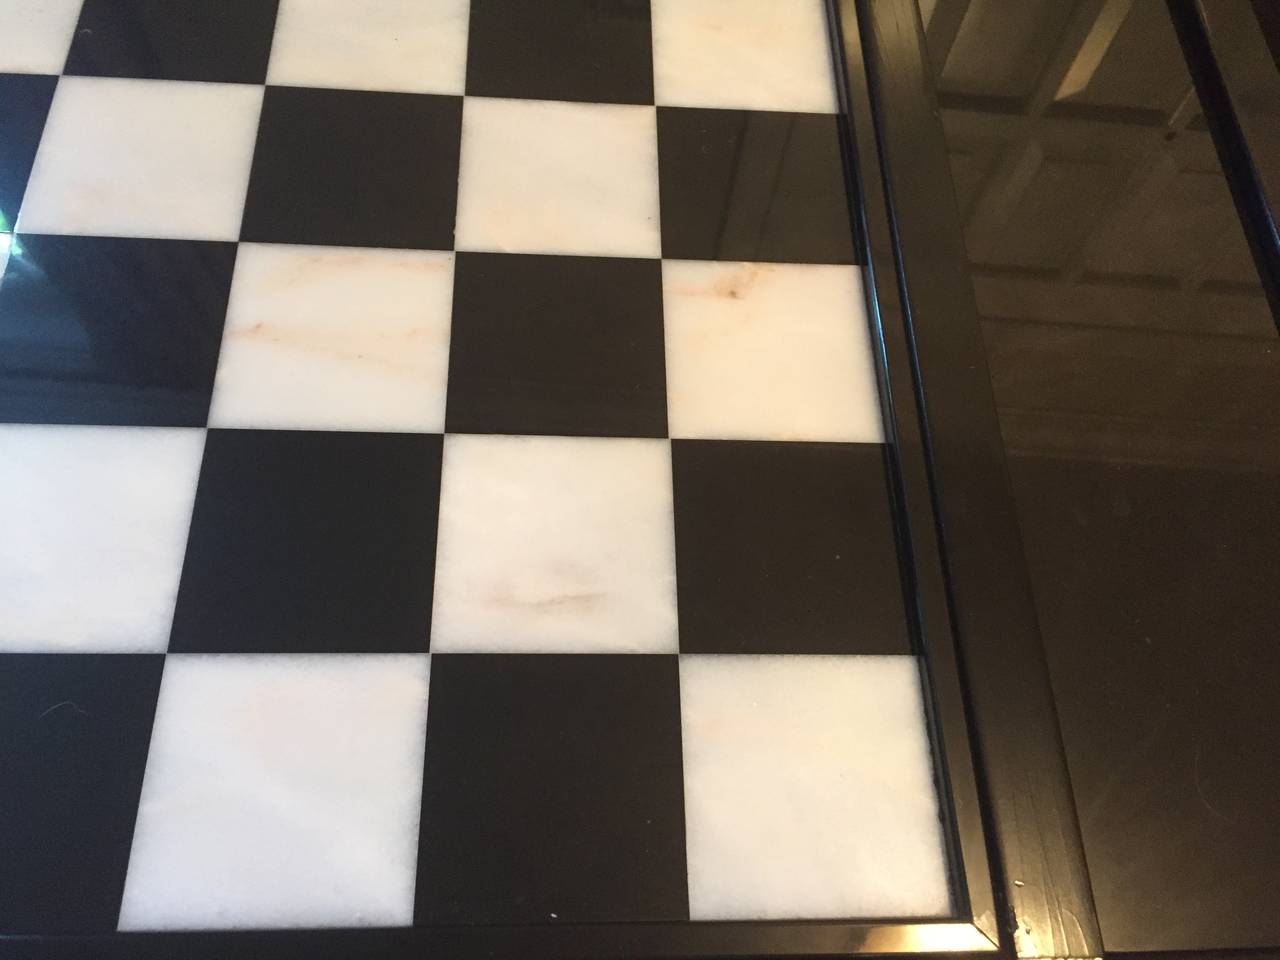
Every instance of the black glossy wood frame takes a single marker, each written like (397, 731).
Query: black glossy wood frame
(1218, 39)
(974, 929)
(1044, 900)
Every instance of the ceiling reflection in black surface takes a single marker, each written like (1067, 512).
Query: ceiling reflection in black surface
(111, 331)
(1136, 370)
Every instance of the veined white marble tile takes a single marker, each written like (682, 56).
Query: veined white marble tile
(743, 55)
(543, 176)
(332, 338)
(93, 528)
(35, 35)
(555, 545)
(143, 158)
(768, 351)
(410, 46)
(809, 789)
(281, 791)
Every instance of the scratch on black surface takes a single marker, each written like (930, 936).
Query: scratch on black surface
(65, 703)
(1195, 772)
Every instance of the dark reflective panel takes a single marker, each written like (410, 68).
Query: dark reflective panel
(111, 331)
(752, 185)
(24, 102)
(595, 51)
(1136, 368)
(226, 42)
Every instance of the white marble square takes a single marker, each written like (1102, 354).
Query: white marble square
(36, 34)
(768, 351)
(93, 529)
(281, 791)
(542, 176)
(809, 789)
(409, 46)
(555, 545)
(143, 158)
(743, 55)
(333, 338)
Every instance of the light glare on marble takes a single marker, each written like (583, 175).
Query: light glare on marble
(143, 158)
(743, 55)
(541, 176)
(331, 338)
(809, 789)
(35, 35)
(555, 545)
(410, 46)
(768, 351)
(280, 791)
(93, 528)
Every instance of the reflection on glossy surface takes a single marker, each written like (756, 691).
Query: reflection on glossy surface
(1136, 367)
(1115, 286)
(111, 331)
(752, 185)
(228, 41)
(24, 101)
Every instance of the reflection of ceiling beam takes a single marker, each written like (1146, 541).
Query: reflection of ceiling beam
(1185, 111)
(966, 120)
(1084, 19)
(1091, 51)
(1152, 303)
(1001, 195)
(940, 34)
(1115, 439)
(1133, 201)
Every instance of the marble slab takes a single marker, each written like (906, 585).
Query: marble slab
(93, 524)
(809, 789)
(768, 351)
(281, 791)
(150, 141)
(410, 46)
(555, 545)
(538, 176)
(36, 35)
(742, 54)
(332, 338)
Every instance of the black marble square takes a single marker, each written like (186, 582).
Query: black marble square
(24, 104)
(101, 330)
(74, 733)
(785, 548)
(568, 346)
(355, 168)
(310, 542)
(553, 790)
(752, 185)
(225, 41)
(599, 51)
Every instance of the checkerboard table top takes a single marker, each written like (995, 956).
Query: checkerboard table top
(442, 474)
